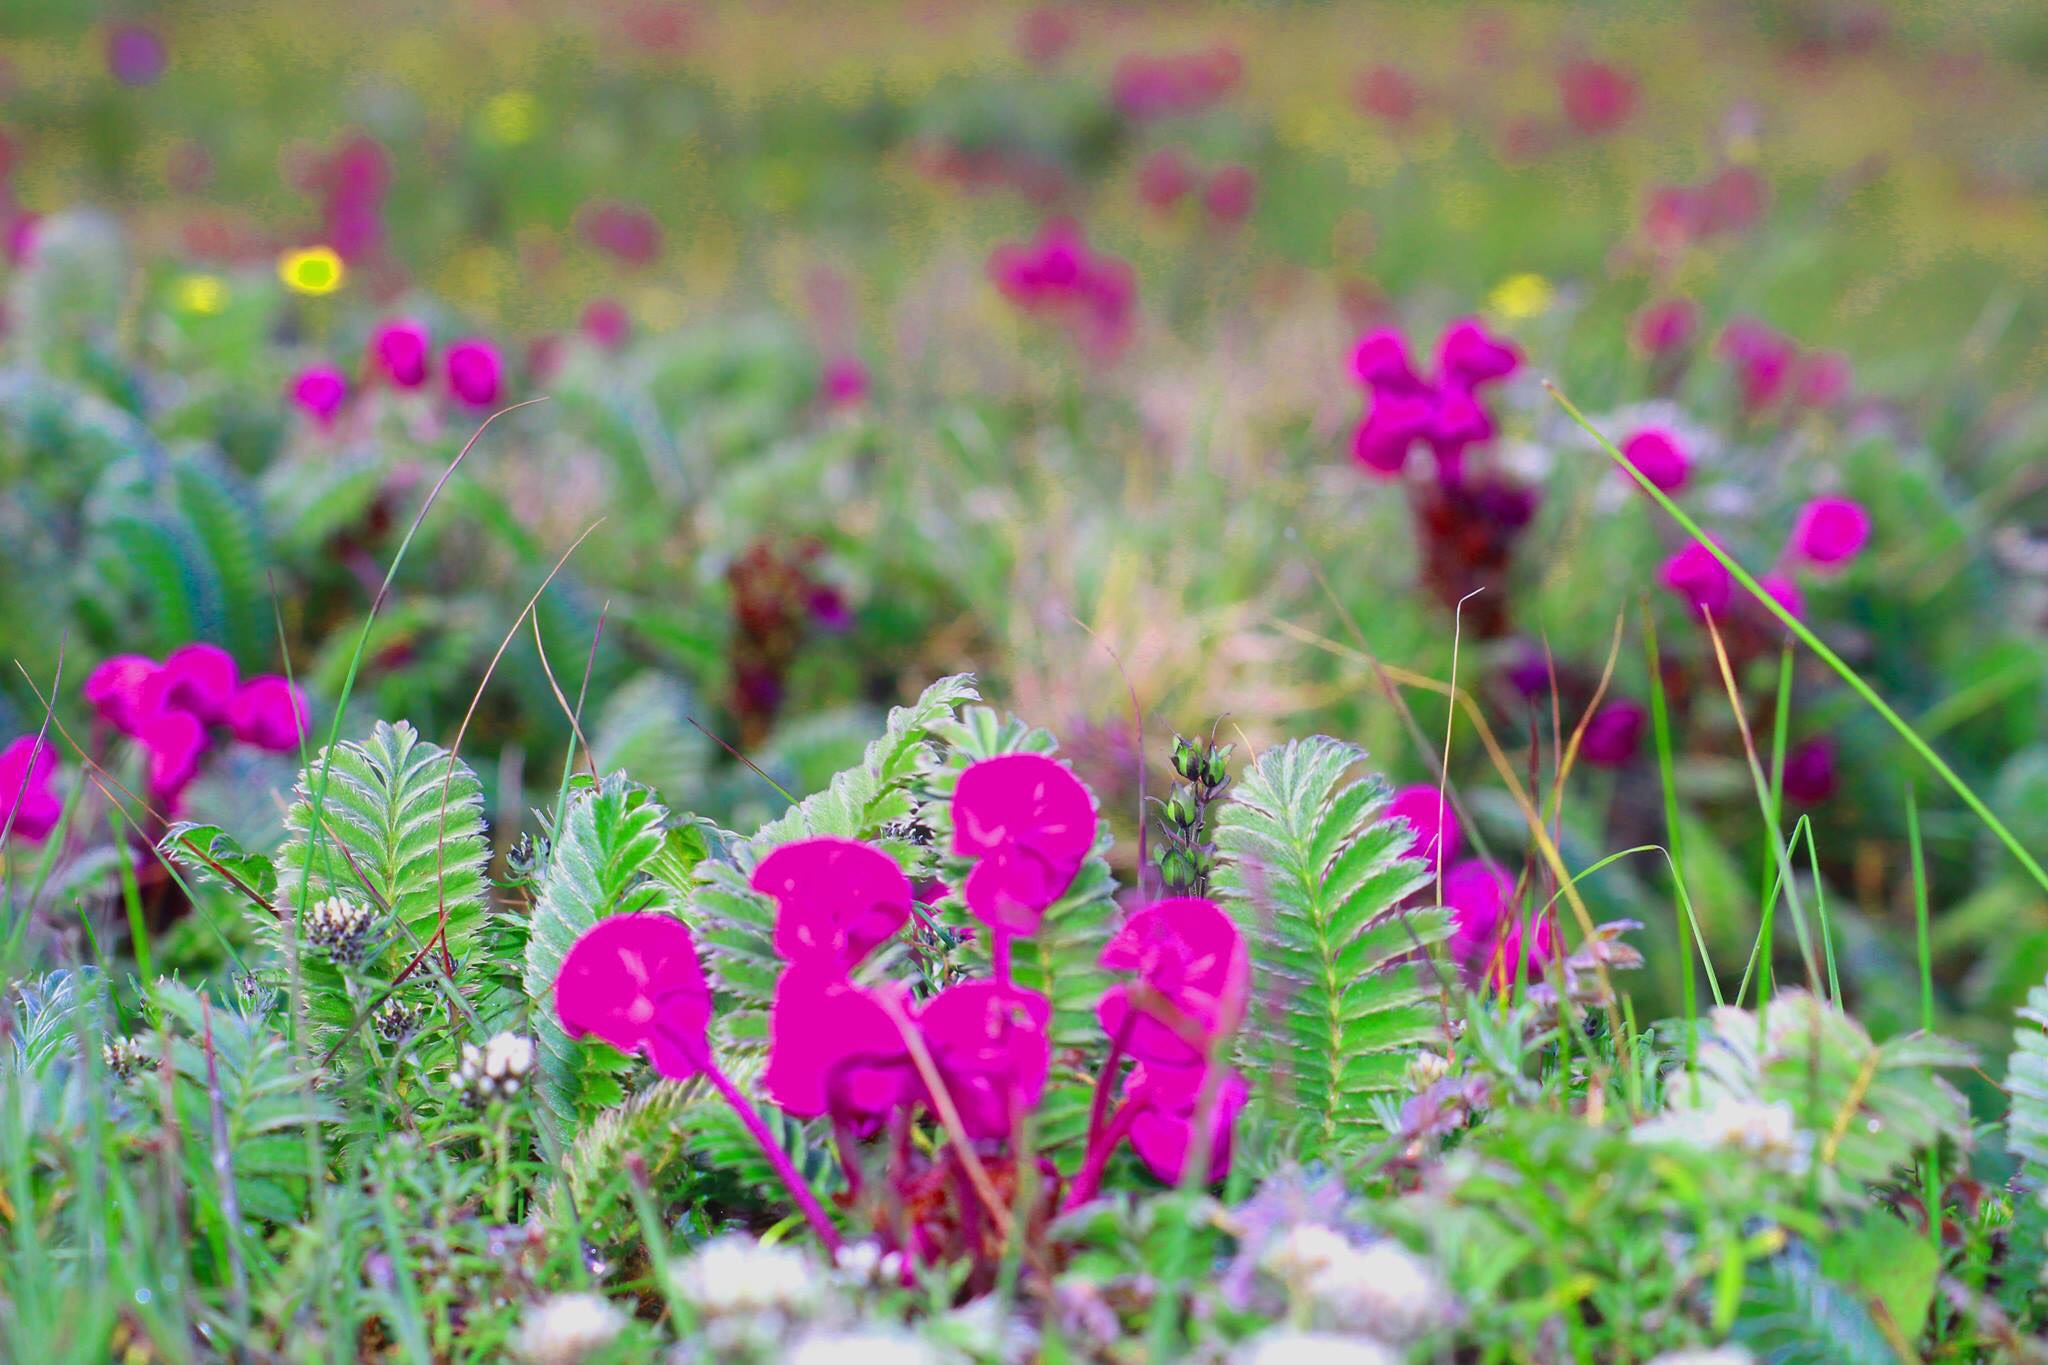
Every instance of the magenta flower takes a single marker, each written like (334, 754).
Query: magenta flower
(117, 690)
(1405, 408)
(1388, 94)
(1162, 1123)
(844, 383)
(1230, 194)
(635, 982)
(1763, 362)
(1821, 379)
(990, 1045)
(833, 1046)
(1596, 97)
(269, 712)
(1810, 771)
(320, 390)
(29, 805)
(1614, 734)
(1477, 893)
(1666, 327)
(1696, 575)
(607, 323)
(136, 55)
(1147, 87)
(836, 900)
(1189, 954)
(400, 349)
(1662, 460)
(474, 372)
(625, 232)
(1165, 178)
(1029, 824)
(1380, 360)
(1469, 356)
(1061, 277)
(174, 741)
(1428, 812)
(1830, 532)
(1397, 421)
(1785, 593)
(195, 678)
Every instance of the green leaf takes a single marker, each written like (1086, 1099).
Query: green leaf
(210, 854)
(1888, 1261)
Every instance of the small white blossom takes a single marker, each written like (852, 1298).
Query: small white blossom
(1718, 1355)
(498, 1069)
(874, 1346)
(736, 1275)
(1427, 1068)
(1313, 1348)
(866, 1264)
(567, 1328)
(1765, 1130)
(1384, 1290)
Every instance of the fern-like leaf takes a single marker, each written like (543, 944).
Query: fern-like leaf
(1316, 876)
(2026, 1081)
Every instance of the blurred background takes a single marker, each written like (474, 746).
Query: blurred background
(882, 341)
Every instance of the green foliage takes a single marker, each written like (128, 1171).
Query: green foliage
(1792, 1314)
(1343, 994)
(598, 867)
(2026, 1082)
(211, 855)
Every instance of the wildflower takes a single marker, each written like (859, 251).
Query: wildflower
(1044, 34)
(314, 270)
(1523, 295)
(1288, 1347)
(269, 712)
(866, 1264)
(736, 1276)
(1405, 408)
(564, 1329)
(1492, 941)
(1658, 456)
(844, 383)
(1166, 178)
(29, 805)
(1765, 1131)
(196, 678)
(1382, 1290)
(990, 1045)
(136, 54)
(864, 1347)
(1614, 734)
(1425, 1069)
(1784, 592)
(625, 232)
(1061, 277)
(607, 323)
(511, 117)
(1467, 356)
(1810, 771)
(1666, 327)
(1821, 380)
(1190, 957)
(400, 349)
(474, 372)
(635, 981)
(1230, 194)
(836, 900)
(1696, 574)
(397, 1020)
(1597, 98)
(1029, 824)
(320, 390)
(1830, 531)
(173, 742)
(341, 928)
(1164, 1101)
(1388, 94)
(1763, 362)
(121, 1057)
(496, 1070)
(1380, 360)
(832, 1046)
(1146, 87)
(201, 295)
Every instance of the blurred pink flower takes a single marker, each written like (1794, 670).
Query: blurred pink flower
(1696, 575)
(1166, 178)
(990, 1046)
(1810, 771)
(196, 678)
(1230, 194)
(173, 742)
(117, 688)
(1821, 379)
(635, 981)
(1762, 359)
(1435, 825)
(1147, 87)
(1060, 276)
(625, 232)
(29, 805)
(1190, 953)
(1380, 360)
(1785, 592)
(1667, 326)
(844, 383)
(1597, 98)
(474, 372)
(1469, 356)
(1614, 734)
(1388, 94)
(836, 900)
(135, 54)
(607, 323)
(1044, 34)
(400, 348)
(1029, 824)
(1656, 452)
(833, 1047)
(1830, 531)
(320, 390)
(1165, 1099)
(269, 712)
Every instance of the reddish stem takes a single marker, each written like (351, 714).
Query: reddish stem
(1107, 1079)
(1089, 1177)
(792, 1179)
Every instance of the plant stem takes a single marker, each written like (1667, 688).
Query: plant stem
(792, 1179)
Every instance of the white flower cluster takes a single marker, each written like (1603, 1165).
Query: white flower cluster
(1763, 1129)
(736, 1276)
(1380, 1289)
(1718, 1355)
(567, 1328)
(867, 1346)
(1312, 1348)
(340, 928)
(498, 1069)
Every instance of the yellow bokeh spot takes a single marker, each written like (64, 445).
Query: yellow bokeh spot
(313, 270)
(511, 117)
(204, 295)
(1521, 296)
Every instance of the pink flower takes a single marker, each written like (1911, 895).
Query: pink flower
(1614, 734)
(1161, 87)
(1695, 574)
(269, 712)
(833, 1046)
(1762, 359)
(474, 372)
(1490, 938)
(1428, 812)
(990, 1046)
(400, 349)
(1784, 592)
(1662, 460)
(1165, 178)
(1380, 360)
(1667, 327)
(607, 323)
(1397, 421)
(1469, 356)
(1163, 1125)
(626, 232)
(1810, 771)
(196, 678)
(844, 383)
(1060, 276)
(1030, 824)
(1830, 531)
(1189, 953)
(1388, 94)
(135, 54)
(635, 982)
(1821, 379)
(1044, 35)
(836, 900)
(29, 805)
(320, 390)
(1597, 98)
(174, 741)
(1230, 194)
(117, 688)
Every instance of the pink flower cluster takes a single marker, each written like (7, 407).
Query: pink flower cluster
(1059, 276)
(401, 354)
(1770, 369)
(1828, 534)
(1445, 412)
(1678, 216)
(1490, 942)
(1169, 177)
(173, 708)
(352, 183)
(627, 233)
(1148, 87)
(29, 804)
(1597, 98)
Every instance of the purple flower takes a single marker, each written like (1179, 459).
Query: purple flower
(174, 741)
(1662, 460)
(400, 349)
(844, 383)
(1597, 98)
(836, 900)
(1030, 824)
(1428, 812)
(1784, 592)
(1763, 362)
(1191, 956)
(29, 805)
(320, 390)
(1809, 775)
(1830, 531)
(1230, 194)
(1821, 379)
(832, 1046)
(474, 372)
(1696, 575)
(990, 1045)
(635, 982)
(135, 54)
(1614, 734)
(269, 712)
(1380, 360)
(607, 323)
